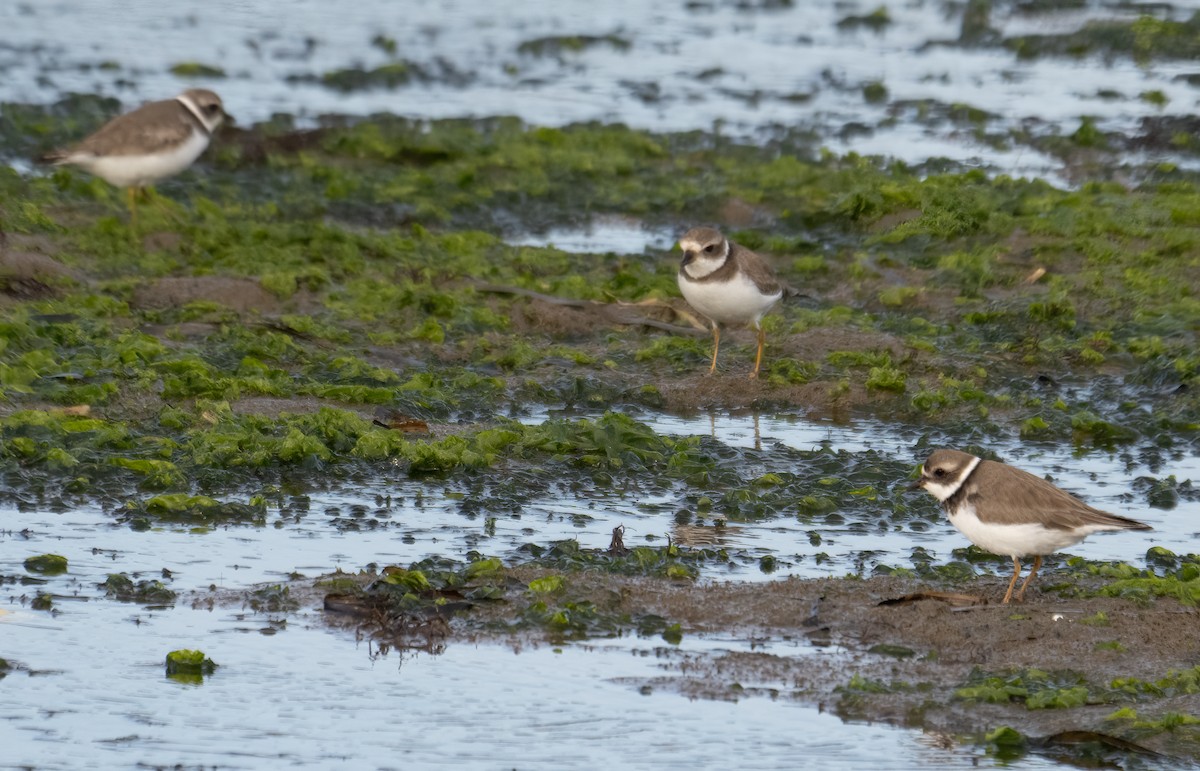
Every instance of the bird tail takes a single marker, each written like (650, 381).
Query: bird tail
(1125, 523)
(792, 294)
(53, 157)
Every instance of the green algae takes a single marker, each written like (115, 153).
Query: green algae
(877, 20)
(1174, 683)
(1032, 687)
(546, 584)
(1036, 689)
(146, 591)
(46, 564)
(1167, 575)
(189, 666)
(194, 510)
(197, 70)
(671, 561)
(273, 598)
(1005, 743)
(562, 44)
(1143, 39)
(1129, 720)
(402, 602)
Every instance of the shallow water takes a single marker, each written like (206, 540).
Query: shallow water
(288, 690)
(687, 66)
(305, 697)
(601, 236)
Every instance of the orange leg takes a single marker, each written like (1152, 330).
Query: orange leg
(1037, 563)
(716, 347)
(762, 341)
(1013, 582)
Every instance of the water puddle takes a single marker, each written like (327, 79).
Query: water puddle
(601, 236)
(302, 696)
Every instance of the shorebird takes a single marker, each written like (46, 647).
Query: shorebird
(728, 284)
(153, 142)
(1010, 512)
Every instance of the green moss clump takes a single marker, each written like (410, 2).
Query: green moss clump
(46, 564)
(386, 76)
(1144, 39)
(1033, 687)
(1006, 743)
(1181, 582)
(561, 44)
(546, 584)
(148, 591)
(189, 666)
(196, 510)
(876, 21)
(197, 70)
(886, 379)
(875, 93)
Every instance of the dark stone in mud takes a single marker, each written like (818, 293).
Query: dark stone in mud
(27, 274)
(1167, 134)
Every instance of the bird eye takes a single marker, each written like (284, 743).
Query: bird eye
(710, 248)
(941, 472)
(212, 108)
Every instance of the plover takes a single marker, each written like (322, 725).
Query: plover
(728, 284)
(1010, 512)
(155, 141)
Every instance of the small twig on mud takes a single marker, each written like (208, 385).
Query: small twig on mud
(951, 598)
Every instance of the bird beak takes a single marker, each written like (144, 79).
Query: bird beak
(688, 257)
(917, 485)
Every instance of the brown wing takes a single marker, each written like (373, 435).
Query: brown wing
(1013, 495)
(756, 268)
(151, 127)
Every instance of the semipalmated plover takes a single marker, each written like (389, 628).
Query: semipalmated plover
(155, 141)
(728, 284)
(1010, 512)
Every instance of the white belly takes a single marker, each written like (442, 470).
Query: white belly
(139, 170)
(1017, 540)
(729, 302)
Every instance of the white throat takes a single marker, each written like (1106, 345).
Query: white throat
(943, 491)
